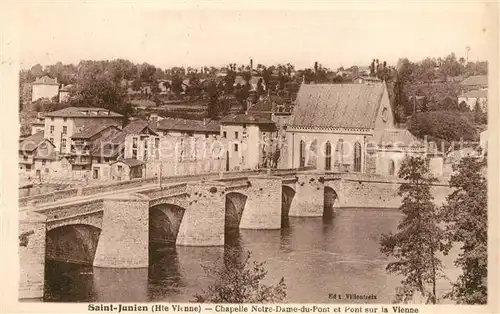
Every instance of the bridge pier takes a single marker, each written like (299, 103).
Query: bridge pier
(203, 220)
(123, 242)
(309, 196)
(32, 232)
(263, 205)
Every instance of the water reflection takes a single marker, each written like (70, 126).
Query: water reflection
(316, 256)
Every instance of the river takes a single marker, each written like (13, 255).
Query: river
(317, 257)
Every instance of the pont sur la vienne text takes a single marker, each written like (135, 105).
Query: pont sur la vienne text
(234, 309)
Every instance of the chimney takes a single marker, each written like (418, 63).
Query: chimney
(251, 65)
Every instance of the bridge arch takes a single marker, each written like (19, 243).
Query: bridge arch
(330, 198)
(287, 195)
(73, 243)
(235, 204)
(164, 223)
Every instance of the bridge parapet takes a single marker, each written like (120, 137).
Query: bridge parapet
(58, 212)
(178, 199)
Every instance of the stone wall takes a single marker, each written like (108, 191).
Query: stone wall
(308, 199)
(48, 197)
(124, 238)
(31, 255)
(263, 205)
(203, 221)
(379, 193)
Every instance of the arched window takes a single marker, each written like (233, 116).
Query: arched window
(302, 154)
(357, 157)
(392, 167)
(339, 154)
(328, 156)
(313, 154)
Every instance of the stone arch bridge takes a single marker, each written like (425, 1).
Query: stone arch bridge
(115, 231)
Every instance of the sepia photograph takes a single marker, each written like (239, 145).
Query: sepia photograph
(330, 157)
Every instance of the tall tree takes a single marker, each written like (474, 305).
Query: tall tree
(466, 215)
(417, 242)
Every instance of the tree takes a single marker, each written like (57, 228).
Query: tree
(176, 84)
(37, 70)
(100, 91)
(466, 215)
(479, 116)
(417, 241)
(239, 281)
(441, 126)
(213, 100)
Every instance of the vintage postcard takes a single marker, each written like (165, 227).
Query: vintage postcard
(250, 157)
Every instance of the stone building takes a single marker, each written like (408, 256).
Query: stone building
(44, 88)
(347, 128)
(127, 169)
(475, 96)
(60, 125)
(36, 155)
(251, 141)
(175, 146)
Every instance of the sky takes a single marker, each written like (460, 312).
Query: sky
(339, 34)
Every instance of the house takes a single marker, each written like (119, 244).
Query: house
(475, 96)
(139, 139)
(106, 148)
(366, 79)
(60, 125)
(392, 147)
(483, 142)
(475, 81)
(279, 111)
(364, 71)
(84, 143)
(44, 87)
(254, 81)
(127, 169)
(64, 92)
(36, 155)
(177, 127)
(39, 124)
(251, 141)
(347, 128)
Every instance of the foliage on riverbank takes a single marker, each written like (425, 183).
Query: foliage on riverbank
(240, 281)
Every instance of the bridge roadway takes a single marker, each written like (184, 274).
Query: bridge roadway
(36, 201)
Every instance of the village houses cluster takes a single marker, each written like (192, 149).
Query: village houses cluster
(332, 127)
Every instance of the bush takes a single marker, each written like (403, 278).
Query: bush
(239, 281)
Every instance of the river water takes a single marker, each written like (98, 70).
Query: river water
(317, 257)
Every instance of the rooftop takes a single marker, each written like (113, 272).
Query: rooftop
(130, 162)
(475, 80)
(138, 127)
(337, 105)
(242, 118)
(83, 112)
(30, 143)
(174, 124)
(268, 104)
(482, 93)
(90, 129)
(45, 80)
(399, 138)
(368, 78)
